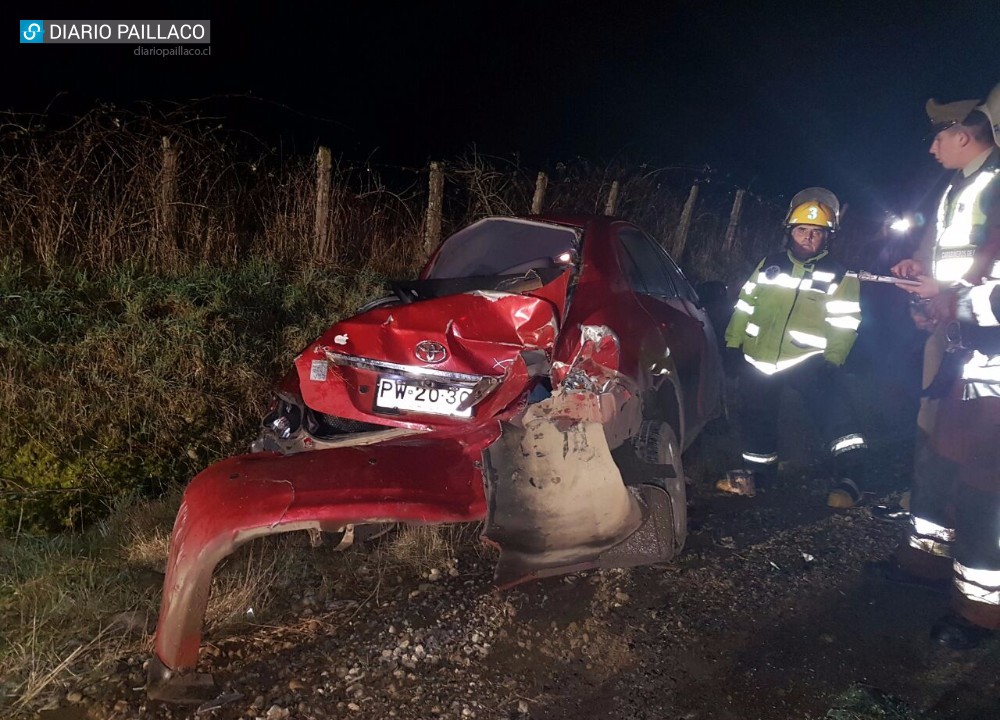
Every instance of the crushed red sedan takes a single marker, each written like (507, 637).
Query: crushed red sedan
(543, 374)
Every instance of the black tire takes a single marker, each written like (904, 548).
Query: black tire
(652, 455)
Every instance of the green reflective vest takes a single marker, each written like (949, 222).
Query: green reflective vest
(790, 310)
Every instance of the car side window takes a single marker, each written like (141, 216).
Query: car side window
(646, 264)
(684, 288)
(630, 268)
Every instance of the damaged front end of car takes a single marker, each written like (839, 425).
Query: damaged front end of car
(477, 405)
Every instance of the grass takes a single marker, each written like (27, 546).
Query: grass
(128, 381)
(74, 607)
(60, 596)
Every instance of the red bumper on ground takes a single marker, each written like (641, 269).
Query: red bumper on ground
(413, 480)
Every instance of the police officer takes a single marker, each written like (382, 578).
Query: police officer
(963, 141)
(795, 322)
(954, 532)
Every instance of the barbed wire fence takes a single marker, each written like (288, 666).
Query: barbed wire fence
(176, 190)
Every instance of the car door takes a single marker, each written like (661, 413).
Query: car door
(665, 295)
(710, 367)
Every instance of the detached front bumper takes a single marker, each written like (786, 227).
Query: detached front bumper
(411, 480)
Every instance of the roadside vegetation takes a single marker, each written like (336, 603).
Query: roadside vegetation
(158, 272)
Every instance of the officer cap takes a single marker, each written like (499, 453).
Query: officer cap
(944, 115)
(991, 109)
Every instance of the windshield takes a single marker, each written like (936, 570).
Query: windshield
(504, 246)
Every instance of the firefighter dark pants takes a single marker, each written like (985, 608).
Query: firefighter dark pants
(827, 403)
(928, 548)
(955, 509)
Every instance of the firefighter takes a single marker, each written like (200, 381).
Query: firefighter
(795, 322)
(954, 531)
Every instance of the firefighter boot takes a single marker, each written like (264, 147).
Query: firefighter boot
(738, 482)
(845, 494)
(956, 633)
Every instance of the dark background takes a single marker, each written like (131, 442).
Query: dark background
(773, 96)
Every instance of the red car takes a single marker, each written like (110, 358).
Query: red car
(543, 373)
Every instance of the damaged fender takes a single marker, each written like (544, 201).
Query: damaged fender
(556, 498)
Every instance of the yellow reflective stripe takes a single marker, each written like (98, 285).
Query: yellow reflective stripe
(749, 287)
(982, 586)
(752, 329)
(743, 305)
(929, 537)
(846, 443)
(981, 367)
(783, 280)
(839, 307)
(761, 459)
(952, 269)
(823, 276)
(932, 547)
(832, 289)
(976, 593)
(986, 578)
(845, 322)
(771, 368)
(982, 308)
(920, 526)
(959, 231)
(803, 338)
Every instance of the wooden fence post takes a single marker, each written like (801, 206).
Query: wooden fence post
(168, 194)
(681, 233)
(734, 221)
(323, 180)
(612, 204)
(541, 183)
(432, 228)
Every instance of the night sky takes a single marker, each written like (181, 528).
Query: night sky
(772, 95)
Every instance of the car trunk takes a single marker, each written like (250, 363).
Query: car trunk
(439, 361)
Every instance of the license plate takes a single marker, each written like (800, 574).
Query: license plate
(393, 394)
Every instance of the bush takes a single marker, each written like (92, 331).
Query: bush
(129, 380)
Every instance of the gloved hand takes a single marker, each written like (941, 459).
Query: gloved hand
(830, 366)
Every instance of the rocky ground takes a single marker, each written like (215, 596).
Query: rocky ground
(767, 614)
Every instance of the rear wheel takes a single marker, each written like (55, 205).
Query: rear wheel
(651, 463)
(651, 457)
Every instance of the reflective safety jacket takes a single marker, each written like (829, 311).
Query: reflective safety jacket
(790, 310)
(979, 308)
(962, 224)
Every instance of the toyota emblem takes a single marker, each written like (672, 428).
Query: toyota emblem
(430, 352)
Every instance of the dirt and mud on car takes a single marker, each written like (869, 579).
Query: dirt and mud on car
(543, 374)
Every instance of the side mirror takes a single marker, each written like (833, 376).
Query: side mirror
(711, 292)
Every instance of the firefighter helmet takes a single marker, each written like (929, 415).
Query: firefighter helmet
(811, 213)
(814, 206)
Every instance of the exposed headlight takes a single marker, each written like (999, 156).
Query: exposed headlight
(284, 418)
